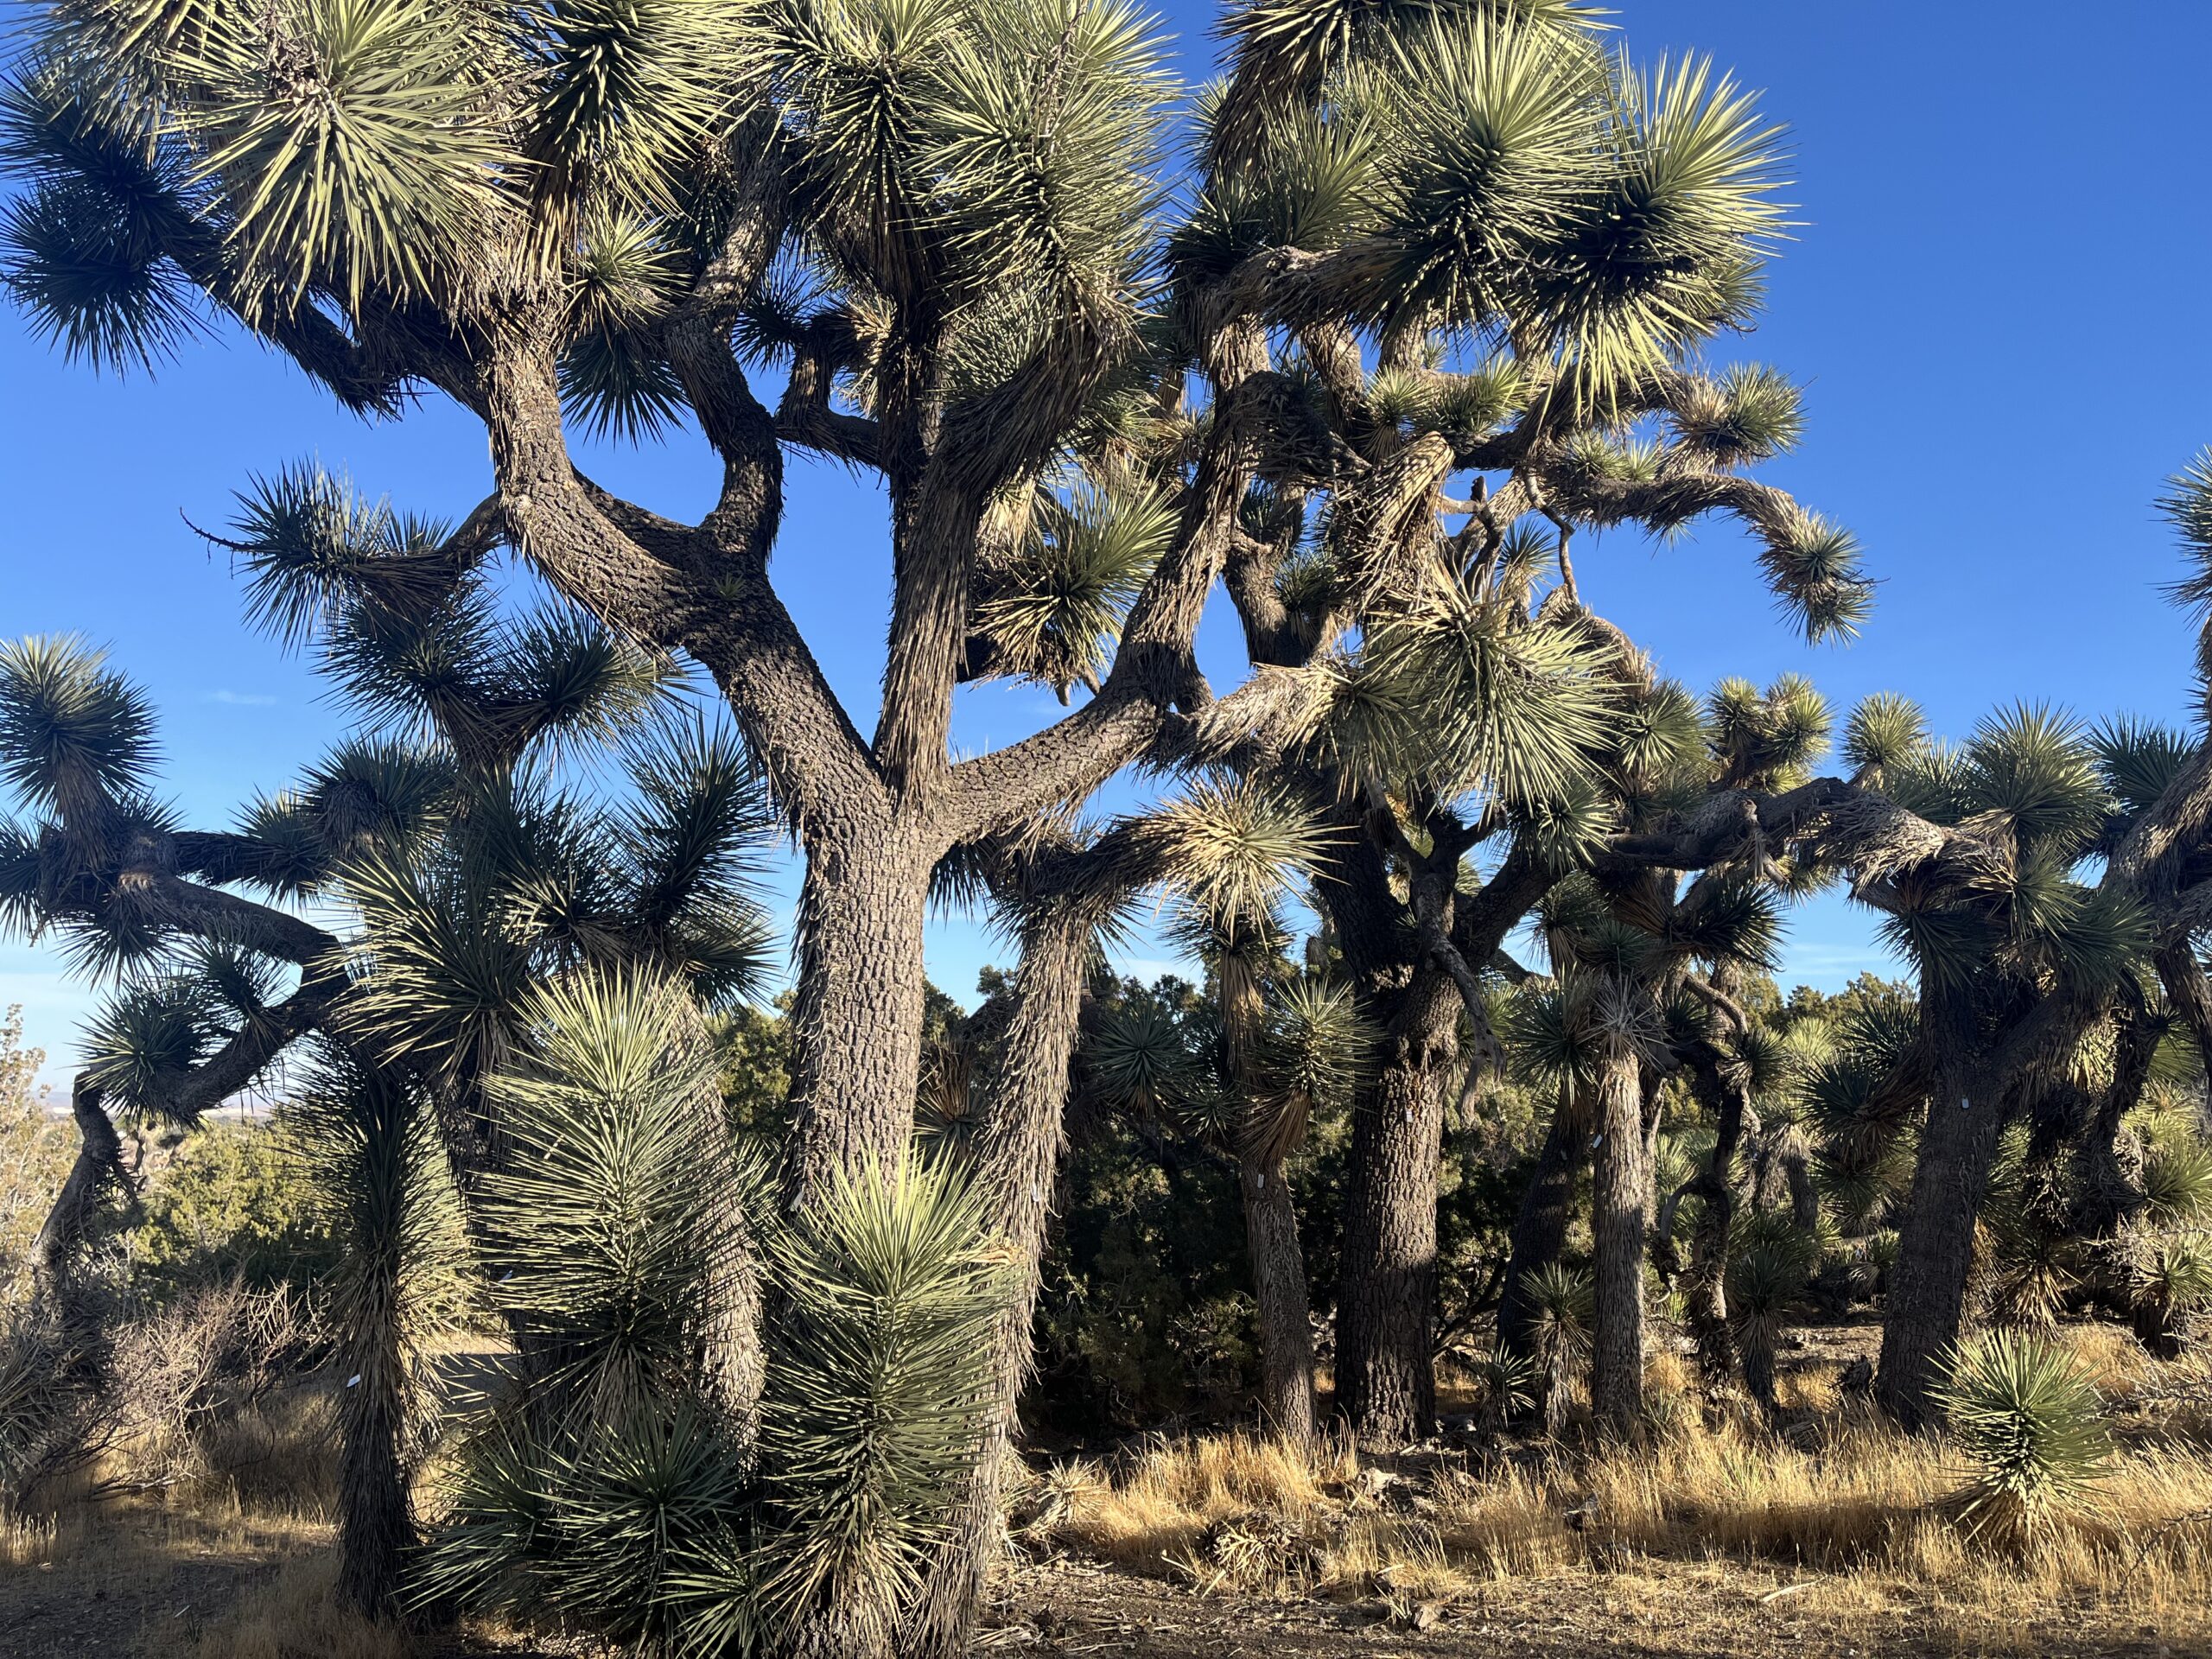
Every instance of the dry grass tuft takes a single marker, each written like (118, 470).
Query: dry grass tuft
(1157, 1514)
(2119, 1365)
(297, 1615)
(33, 1539)
(1856, 1500)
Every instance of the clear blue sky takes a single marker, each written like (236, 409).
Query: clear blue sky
(1993, 302)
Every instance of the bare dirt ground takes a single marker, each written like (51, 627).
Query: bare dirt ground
(138, 1581)
(1649, 1608)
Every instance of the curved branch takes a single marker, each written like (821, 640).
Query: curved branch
(701, 592)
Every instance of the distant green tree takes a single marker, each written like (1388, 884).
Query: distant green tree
(234, 1201)
(36, 1148)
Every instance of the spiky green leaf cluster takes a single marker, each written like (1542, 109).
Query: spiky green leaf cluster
(872, 1406)
(2031, 787)
(1052, 613)
(402, 618)
(1231, 846)
(2028, 1415)
(611, 1218)
(1885, 732)
(1750, 413)
(76, 737)
(1456, 693)
(527, 881)
(945, 154)
(1770, 739)
(84, 249)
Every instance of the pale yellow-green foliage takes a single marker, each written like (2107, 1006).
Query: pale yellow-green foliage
(36, 1148)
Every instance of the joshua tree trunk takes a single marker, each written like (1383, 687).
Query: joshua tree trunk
(2107, 1197)
(1928, 1286)
(1707, 1294)
(375, 1526)
(1540, 1227)
(375, 1522)
(1279, 1285)
(1386, 1381)
(1759, 1376)
(1017, 1163)
(1798, 1171)
(857, 1016)
(99, 1166)
(1618, 1218)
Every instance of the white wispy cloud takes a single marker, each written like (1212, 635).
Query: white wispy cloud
(240, 699)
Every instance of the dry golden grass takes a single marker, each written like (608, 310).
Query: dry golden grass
(36, 1541)
(1157, 1513)
(1859, 1505)
(297, 1615)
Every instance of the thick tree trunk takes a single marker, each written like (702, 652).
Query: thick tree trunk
(1928, 1286)
(1279, 1286)
(1016, 1163)
(376, 1524)
(99, 1167)
(857, 1016)
(1707, 1292)
(1539, 1226)
(1619, 1215)
(1386, 1381)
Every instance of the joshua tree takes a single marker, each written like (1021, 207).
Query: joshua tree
(381, 1167)
(109, 873)
(937, 224)
(467, 880)
(1317, 142)
(1976, 857)
(1279, 1042)
(1643, 960)
(617, 1481)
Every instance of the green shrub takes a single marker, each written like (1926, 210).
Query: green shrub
(612, 1485)
(1562, 1312)
(235, 1201)
(1769, 1268)
(36, 1149)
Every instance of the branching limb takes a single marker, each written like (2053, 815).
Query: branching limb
(656, 582)
(1153, 668)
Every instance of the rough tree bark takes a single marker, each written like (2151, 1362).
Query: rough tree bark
(1386, 1381)
(1017, 1165)
(99, 1166)
(857, 1014)
(1928, 1286)
(2106, 1195)
(1411, 974)
(1619, 1212)
(1715, 1185)
(376, 1524)
(1279, 1287)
